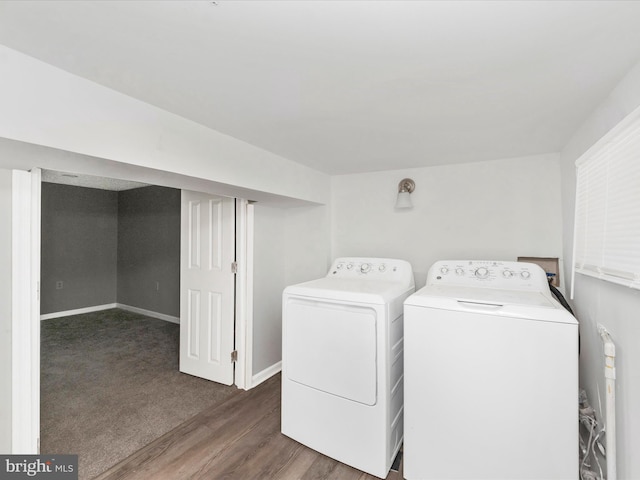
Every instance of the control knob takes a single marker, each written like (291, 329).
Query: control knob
(382, 267)
(482, 272)
(459, 271)
(444, 270)
(507, 274)
(365, 267)
(525, 275)
(350, 266)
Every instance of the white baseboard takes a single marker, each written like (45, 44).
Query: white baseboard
(265, 374)
(98, 308)
(78, 311)
(149, 313)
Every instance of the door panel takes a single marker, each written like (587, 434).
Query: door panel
(207, 286)
(214, 319)
(332, 347)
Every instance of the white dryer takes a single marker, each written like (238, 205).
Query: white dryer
(491, 376)
(342, 351)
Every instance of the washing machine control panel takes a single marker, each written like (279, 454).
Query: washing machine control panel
(371, 268)
(488, 273)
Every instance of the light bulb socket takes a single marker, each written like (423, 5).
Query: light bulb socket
(406, 185)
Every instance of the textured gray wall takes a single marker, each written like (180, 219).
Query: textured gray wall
(149, 249)
(5, 311)
(79, 247)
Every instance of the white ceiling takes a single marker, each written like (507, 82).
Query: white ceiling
(350, 86)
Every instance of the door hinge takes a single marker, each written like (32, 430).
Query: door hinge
(234, 267)
(234, 356)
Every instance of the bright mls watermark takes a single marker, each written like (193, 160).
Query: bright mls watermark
(45, 467)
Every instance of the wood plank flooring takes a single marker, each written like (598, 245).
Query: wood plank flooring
(237, 440)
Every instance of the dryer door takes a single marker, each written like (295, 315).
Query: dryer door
(331, 347)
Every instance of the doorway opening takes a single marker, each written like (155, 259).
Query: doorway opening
(130, 233)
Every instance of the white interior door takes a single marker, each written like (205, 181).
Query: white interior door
(207, 286)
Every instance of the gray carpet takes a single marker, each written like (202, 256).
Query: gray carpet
(110, 385)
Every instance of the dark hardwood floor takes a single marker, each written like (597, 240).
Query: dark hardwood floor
(237, 440)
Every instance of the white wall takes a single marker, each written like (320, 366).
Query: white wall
(5, 310)
(307, 243)
(47, 106)
(596, 301)
(495, 210)
(291, 245)
(268, 283)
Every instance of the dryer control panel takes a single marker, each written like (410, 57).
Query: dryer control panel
(371, 268)
(489, 274)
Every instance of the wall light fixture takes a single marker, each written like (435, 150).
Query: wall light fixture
(405, 187)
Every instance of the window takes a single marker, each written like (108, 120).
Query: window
(607, 229)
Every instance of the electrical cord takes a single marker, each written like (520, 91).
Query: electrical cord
(596, 441)
(588, 420)
(556, 293)
(560, 297)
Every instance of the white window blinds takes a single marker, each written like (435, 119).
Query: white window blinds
(607, 229)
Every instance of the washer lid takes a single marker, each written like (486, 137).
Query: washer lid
(350, 289)
(516, 303)
(487, 295)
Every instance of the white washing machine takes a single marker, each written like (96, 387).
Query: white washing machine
(491, 376)
(342, 352)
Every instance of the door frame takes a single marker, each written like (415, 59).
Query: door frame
(244, 305)
(25, 318)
